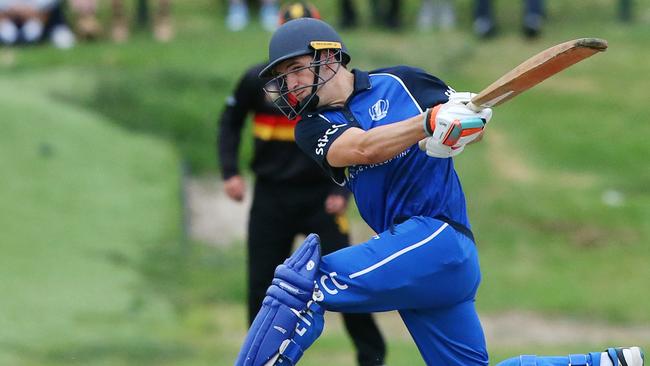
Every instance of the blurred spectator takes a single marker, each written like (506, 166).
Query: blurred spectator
(386, 12)
(89, 27)
(238, 15)
(291, 196)
(625, 10)
(437, 13)
(485, 25)
(32, 21)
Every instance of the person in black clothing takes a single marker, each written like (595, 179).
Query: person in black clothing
(485, 24)
(384, 13)
(291, 195)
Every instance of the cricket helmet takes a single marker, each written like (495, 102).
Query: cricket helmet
(300, 37)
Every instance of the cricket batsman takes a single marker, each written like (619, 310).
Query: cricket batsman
(363, 129)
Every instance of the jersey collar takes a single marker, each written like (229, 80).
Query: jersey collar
(361, 81)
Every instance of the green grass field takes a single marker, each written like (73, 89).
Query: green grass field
(94, 269)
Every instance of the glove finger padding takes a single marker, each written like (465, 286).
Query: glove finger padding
(485, 114)
(464, 98)
(461, 97)
(435, 149)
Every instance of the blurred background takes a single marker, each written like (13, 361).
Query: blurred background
(118, 246)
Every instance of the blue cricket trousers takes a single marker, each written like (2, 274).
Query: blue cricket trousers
(424, 269)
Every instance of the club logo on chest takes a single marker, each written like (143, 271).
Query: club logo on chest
(379, 110)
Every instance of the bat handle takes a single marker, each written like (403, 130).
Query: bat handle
(474, 107)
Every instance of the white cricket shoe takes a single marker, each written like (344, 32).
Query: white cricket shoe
(624, 356)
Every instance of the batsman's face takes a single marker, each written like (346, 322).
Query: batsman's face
(298, 80)
(298, 75)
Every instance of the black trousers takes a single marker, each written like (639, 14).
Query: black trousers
(483, 8)
(278, 214)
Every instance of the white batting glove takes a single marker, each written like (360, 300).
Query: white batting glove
(453, 125)
(461, 97)
(436, 150)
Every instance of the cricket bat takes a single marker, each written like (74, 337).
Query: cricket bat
(535, 70)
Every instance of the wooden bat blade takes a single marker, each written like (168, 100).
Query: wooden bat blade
(537, 69)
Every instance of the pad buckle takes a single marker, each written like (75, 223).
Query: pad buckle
(290, 351)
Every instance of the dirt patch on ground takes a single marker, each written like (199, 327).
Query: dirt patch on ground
(212, 217)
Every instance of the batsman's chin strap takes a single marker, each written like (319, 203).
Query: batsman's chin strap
(311, 104)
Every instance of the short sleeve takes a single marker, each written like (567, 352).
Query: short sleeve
(314, 135)
(427, 89)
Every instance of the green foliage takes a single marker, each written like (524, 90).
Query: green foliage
(180, 111)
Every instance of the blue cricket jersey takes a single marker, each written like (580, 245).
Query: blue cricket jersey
(409, 184)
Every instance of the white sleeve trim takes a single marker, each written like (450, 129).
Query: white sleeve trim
(405, 88)
(323, 117)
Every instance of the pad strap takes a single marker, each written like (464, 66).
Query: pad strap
(290, 351)
(578, 360)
